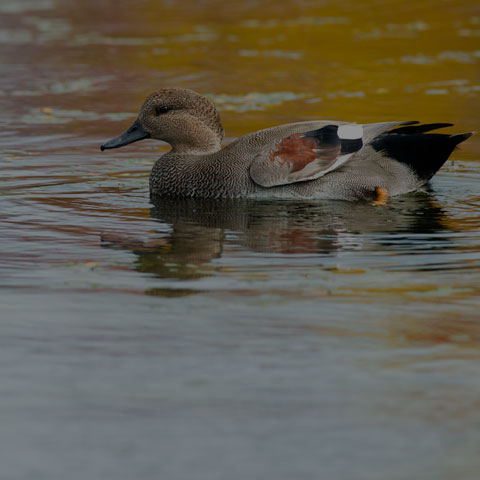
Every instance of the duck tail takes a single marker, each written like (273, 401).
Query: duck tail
(424, 153)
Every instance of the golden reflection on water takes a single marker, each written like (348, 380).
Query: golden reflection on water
(362, 61)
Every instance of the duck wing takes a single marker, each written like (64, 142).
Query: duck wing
(304, 156)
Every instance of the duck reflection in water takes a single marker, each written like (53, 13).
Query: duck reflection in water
(202, 229)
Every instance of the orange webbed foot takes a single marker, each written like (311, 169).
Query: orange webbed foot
(381, 196)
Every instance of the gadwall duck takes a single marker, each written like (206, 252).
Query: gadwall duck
(315, 159)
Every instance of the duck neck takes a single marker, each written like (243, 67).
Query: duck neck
(201, 142)
(192, 148)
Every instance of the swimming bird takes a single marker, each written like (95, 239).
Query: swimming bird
(315, 159)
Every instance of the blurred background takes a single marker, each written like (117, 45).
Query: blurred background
(263, 62)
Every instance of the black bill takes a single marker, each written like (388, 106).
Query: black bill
(133, 134)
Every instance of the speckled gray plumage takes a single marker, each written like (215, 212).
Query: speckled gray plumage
(198, 167)
(226, 173)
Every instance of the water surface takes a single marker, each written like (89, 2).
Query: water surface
(234, 339)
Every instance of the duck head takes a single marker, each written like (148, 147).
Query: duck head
(186, 120)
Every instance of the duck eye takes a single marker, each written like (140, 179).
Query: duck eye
(160, 110)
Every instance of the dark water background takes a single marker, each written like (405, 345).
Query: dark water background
(234, 339)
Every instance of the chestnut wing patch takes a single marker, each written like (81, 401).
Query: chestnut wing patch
(303, 156)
